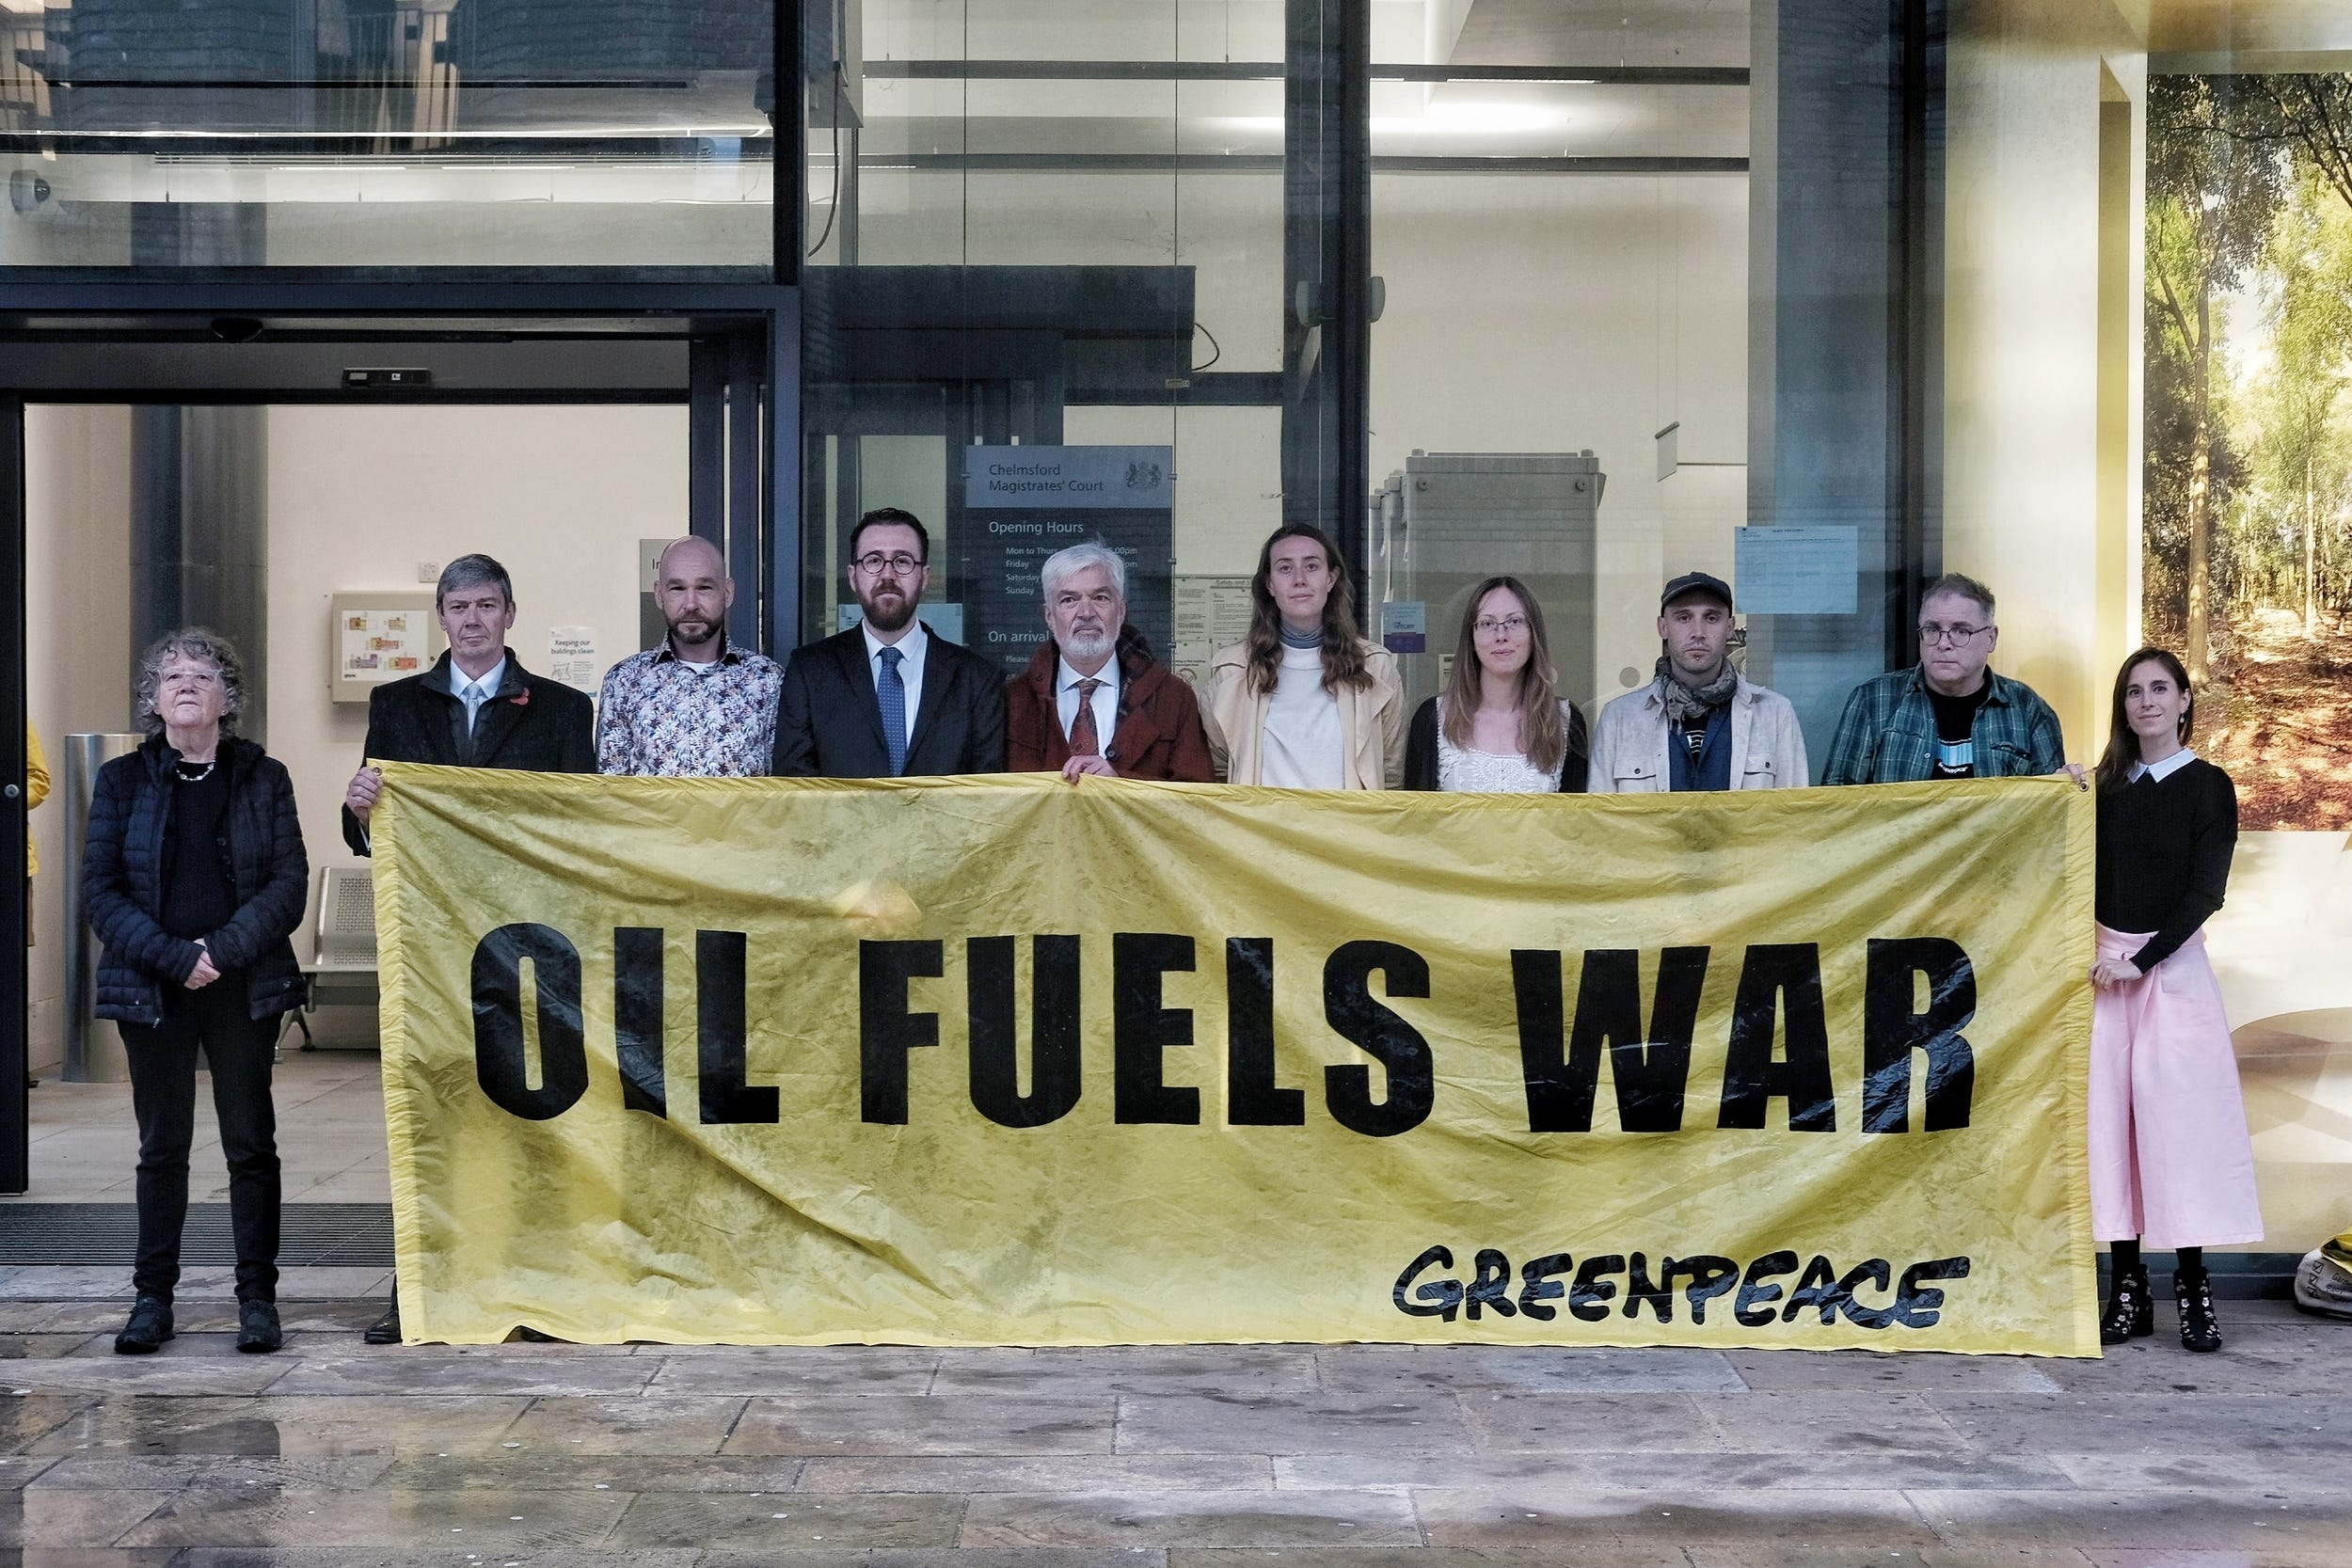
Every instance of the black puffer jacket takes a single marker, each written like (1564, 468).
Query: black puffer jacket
(122, 882)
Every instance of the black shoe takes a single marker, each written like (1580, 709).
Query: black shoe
(2199, 1331)
(258, 1333)
(386, 1330)
(148, 1327)
(2131, 1313)
(534, 1336)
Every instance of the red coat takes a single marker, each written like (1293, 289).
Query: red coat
(1157, 736)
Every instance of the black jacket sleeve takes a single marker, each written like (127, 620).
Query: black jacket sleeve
(793, 754)
(274, 911)
(2213, 840)
(577, 752)
(1421, 748)
(1576, 771)
(354, 835)
(125, 929)
(988, 718)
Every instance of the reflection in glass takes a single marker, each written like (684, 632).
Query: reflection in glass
(387, 133)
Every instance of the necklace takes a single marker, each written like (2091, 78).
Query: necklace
(190, 773)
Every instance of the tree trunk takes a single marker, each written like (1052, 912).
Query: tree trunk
(2311, 549)
(2199, 492)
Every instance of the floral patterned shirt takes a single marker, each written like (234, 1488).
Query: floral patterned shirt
(659, 715)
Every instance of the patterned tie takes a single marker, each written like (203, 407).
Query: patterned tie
(893, 693)
(1084, 741)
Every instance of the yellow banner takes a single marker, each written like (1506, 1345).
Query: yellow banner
(1006, 1061)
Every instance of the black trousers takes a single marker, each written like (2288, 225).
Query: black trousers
(239, 1050)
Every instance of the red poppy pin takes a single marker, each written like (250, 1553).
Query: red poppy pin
(522, 698)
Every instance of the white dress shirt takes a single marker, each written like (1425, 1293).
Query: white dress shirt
(913, 646)
(473, 693)
(1106, 700)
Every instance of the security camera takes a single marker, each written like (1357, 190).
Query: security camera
(27, 190)
(236, 329)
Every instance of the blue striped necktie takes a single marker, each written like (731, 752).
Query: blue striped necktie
(893, 692)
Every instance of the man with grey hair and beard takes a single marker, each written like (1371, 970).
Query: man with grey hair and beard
(1092, 699)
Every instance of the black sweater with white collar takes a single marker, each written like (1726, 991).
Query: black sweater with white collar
(2164, 855)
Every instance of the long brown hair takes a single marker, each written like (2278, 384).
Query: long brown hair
(1343, 659)
(1541, 733)
(2115, 763)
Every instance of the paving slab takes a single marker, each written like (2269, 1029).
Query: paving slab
(1571, 1518)
(942, 1424)
(566, 1468)
(1247, 1422)
(467, 1521)
(2099, 1423)
(1090, 1473)
(779, 1524)
(53, 1519)
(1586, 1423)
(2169, 1520)
(428, 1369)
(274, 1428)
(1192, 1519)
(627, 1425)
(183, 1471)
(791, 1369)
(1668, 1470)
(1378, 1369)
(1827, 1371)
(1086, 1373)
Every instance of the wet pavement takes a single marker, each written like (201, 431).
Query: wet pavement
(334, 1453)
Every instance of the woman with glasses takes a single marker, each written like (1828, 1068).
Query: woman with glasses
(1501, 726)
(2170, 1161)
(195, 877)
(1305, 702)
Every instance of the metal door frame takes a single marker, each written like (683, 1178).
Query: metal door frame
(743, 393)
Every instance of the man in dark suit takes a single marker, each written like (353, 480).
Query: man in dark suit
(887, 698)
(477, 707)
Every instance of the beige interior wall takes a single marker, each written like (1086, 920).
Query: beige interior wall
(360, 499)
(2025, 467)
(77, 654)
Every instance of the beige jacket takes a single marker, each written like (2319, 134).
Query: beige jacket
(1372, 721)
(1629, 742)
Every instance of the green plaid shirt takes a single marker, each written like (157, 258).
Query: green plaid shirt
(1887, 733)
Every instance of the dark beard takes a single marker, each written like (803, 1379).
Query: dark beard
(888, 621)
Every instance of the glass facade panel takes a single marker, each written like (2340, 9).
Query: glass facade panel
(406, 134)
(1048, 225)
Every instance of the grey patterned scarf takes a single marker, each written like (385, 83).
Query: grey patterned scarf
(1687, 703)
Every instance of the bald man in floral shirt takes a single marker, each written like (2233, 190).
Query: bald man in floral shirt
(694, 707)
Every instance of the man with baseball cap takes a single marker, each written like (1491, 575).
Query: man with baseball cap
(1698, 724)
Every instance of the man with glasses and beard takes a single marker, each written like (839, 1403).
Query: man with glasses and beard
(1948, 717)
(886, 699)
(1092, 701)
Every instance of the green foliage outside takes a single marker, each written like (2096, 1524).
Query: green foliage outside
(2247, 526)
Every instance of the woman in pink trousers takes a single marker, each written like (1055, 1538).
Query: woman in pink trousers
(2170, 1161)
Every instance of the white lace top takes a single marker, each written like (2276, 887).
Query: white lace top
(1469, 772)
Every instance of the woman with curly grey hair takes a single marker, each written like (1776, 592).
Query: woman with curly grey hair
(195, 874)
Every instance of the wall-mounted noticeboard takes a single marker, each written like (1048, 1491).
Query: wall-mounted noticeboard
(376, 638)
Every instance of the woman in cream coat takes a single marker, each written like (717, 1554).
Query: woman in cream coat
(1305, 702)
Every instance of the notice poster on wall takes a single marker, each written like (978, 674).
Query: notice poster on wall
(1021, 504)
(1211, 613)
(376, 638)
(572, 657)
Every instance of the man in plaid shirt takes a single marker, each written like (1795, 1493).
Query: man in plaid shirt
(695, 705)
(1948, 717)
